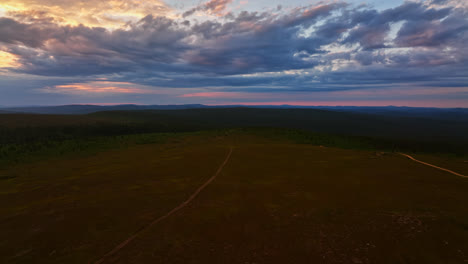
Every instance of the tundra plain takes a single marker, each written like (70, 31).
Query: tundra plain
(277, 199)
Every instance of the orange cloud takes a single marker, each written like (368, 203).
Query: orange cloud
(8, 60)
(110, 13)
(100, 87)
(213, 7)
(217, 6)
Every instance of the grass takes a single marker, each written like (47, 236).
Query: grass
(276, 201)
(38, 147)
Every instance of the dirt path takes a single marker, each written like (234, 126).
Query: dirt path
(182, 205)
(434, 166)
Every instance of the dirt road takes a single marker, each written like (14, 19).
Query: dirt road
(182, 205)
(434, 166)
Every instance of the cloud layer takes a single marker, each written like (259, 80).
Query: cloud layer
(110, 13)
(327, 47)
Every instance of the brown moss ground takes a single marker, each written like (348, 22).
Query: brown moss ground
(72, 210)
(273, 203)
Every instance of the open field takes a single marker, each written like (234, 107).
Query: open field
(274, 202)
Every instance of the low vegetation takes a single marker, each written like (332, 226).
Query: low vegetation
(72, 188)
(25, 135)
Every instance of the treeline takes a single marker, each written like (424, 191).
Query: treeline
(24, 134)
(20, 152)
(459, 149)
(17, 143)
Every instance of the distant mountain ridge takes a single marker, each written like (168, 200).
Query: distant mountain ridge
(454, 114)
(89, 108)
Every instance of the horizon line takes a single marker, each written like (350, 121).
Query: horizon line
(247, 105)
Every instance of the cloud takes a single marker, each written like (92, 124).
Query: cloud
(453, 28)
(323, 47)
(8, 60)
(113, 13)
(214, 7)
(235, 95)
(14, 32)
(98, 87)
(249, 42)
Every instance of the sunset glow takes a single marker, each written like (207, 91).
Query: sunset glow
(8, 60)
(112, 13)
(235, 51)
(100, 87)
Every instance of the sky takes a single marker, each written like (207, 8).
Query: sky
(221, 52)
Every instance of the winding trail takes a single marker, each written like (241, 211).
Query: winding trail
(434, 166)
(182, 205)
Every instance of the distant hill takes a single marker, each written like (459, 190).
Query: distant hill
(87, 109)
(201, 118)
(404, 131)
(318, 120)
(454, 114)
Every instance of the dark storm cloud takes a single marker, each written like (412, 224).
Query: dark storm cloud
(169, 52)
